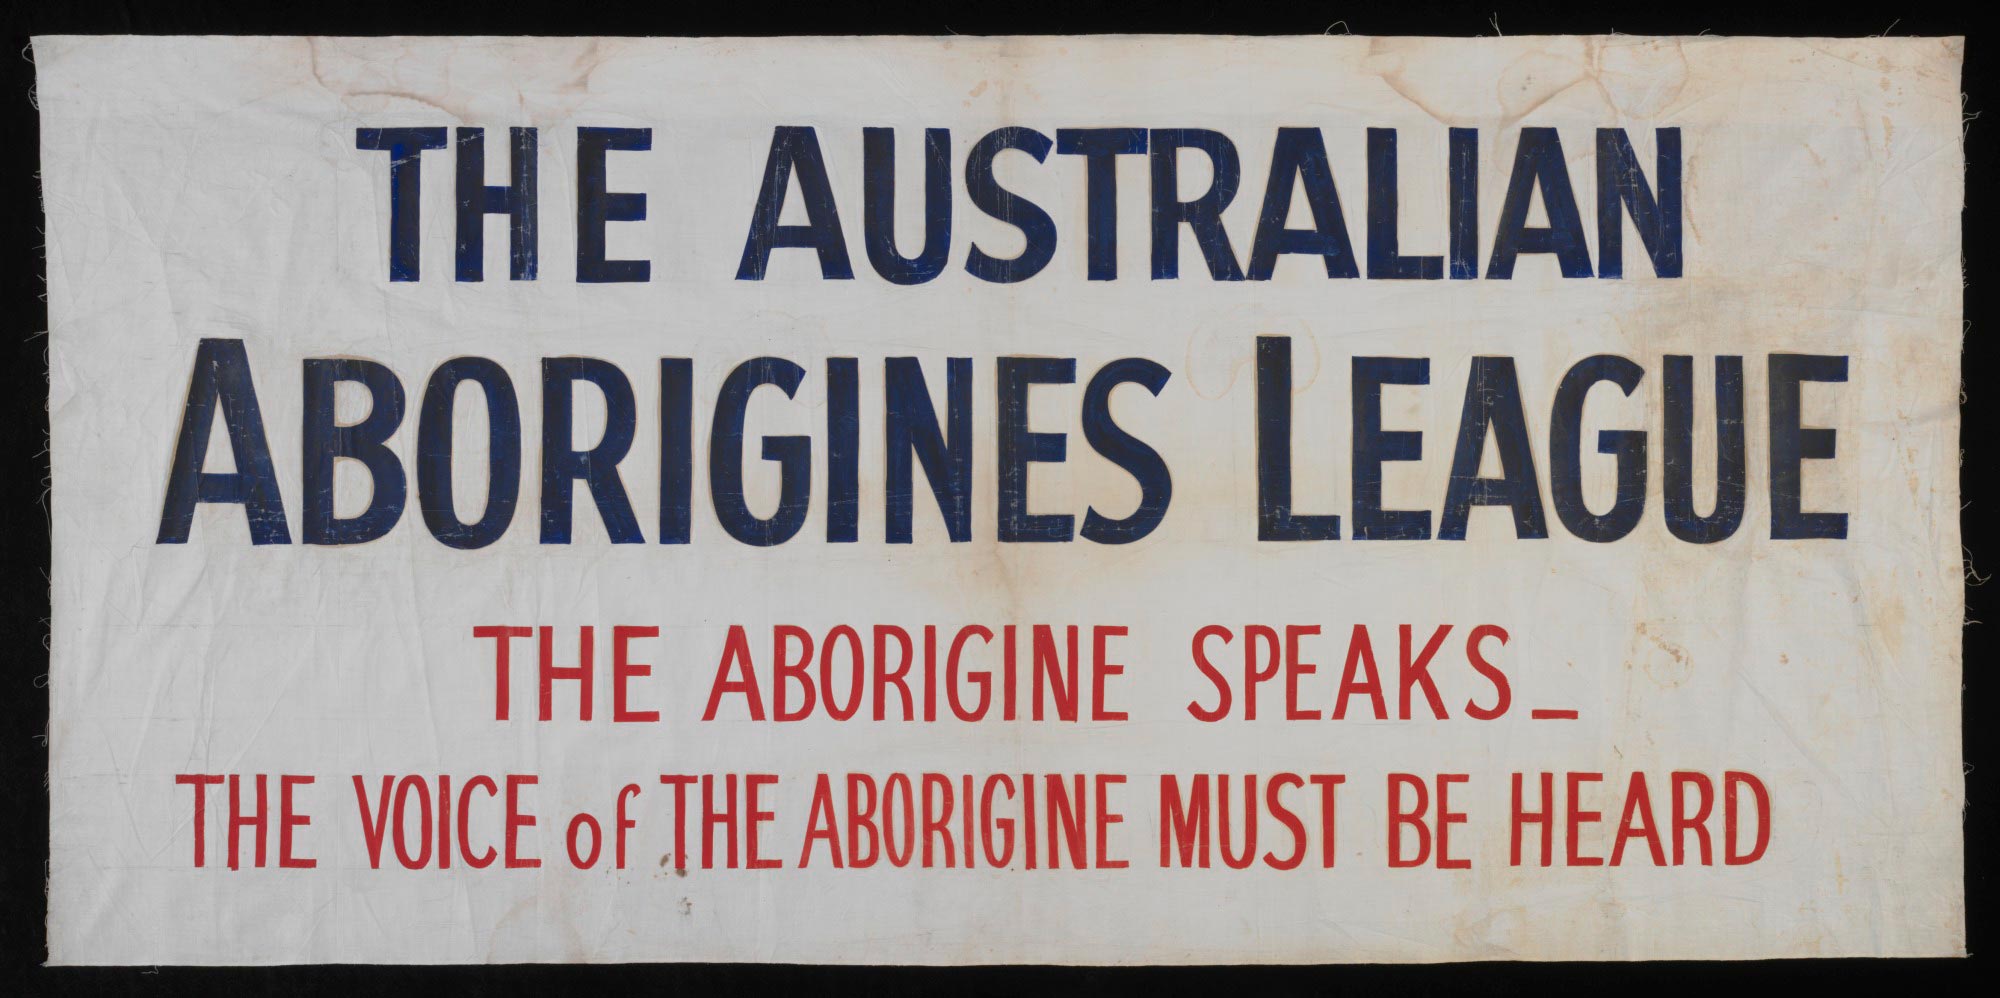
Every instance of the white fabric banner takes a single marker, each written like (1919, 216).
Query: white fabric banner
(1097, 500)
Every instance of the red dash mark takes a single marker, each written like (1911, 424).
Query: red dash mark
(1544, 714)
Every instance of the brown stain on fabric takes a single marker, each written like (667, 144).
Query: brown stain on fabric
(1665, 662)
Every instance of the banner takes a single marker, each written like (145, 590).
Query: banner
(1087, 500)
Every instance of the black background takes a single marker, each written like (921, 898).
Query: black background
(24, 473)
